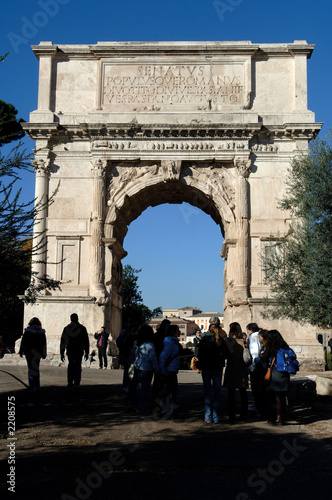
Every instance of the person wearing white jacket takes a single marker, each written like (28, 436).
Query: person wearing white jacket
(256, 379)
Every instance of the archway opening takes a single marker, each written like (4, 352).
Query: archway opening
(177, 246)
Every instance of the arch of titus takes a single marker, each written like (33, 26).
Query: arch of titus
(124, 126)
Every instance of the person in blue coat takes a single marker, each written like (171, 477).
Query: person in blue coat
(102, 343)
(145, 365)
(169, 364)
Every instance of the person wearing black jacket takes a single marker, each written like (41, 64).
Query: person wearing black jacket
(75, 341)
(211, 361)
(33, 347)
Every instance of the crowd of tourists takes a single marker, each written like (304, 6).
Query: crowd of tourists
(258, 356)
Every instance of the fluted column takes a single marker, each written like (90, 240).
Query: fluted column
(242, 282)
(41, 167)
(97, 257)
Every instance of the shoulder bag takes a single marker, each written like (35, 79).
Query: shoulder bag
(268, 374)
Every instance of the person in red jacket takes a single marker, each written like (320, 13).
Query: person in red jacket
(102, 342)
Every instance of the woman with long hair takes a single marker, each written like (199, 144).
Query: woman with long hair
(279, 385)
(236, 376)
(33, 347)
(211, 361)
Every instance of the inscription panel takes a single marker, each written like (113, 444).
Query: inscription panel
(179, 87)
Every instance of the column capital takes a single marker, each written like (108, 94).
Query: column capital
(98, 167)
(114, 245)
(243, 166)
(41, 165)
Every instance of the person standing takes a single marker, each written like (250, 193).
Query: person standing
(125, 342)
(33, 347)
(236, 371)
(74, 341)
(145, 364)
(255, 372)
(197, 339)
(211, 361)
(279, 384)
(158, 340)
(102, 343)
(169, 364)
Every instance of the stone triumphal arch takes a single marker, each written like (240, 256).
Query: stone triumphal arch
(124, 126)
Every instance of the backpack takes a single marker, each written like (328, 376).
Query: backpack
(286, 361)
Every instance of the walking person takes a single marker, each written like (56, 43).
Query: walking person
(169, 364)
(145, 365)
(33, 347)
(74, 341)
(211, 361)
(102, 343)
(236, 376)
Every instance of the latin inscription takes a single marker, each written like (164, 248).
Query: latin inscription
(212, 86)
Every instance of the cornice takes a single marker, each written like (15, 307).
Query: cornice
(198, 132)
(110, 50)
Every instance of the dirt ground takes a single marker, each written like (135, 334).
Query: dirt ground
(88, 443)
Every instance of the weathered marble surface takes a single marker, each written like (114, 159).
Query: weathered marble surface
(123, 126)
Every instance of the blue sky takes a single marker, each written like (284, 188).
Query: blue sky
(177, 247)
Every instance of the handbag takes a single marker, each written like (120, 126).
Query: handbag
(268, 374)
(131, 371)
(247, 358)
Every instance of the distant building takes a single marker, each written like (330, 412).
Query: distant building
(183, 312)
(186, 327)
(189, 319)
(202, 320)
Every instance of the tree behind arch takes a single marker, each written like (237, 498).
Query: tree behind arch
(134, 312)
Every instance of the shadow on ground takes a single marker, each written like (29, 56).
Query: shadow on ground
(90, 444)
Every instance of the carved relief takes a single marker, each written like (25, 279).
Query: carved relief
(199, 145)
(171, 169)
(264, 148)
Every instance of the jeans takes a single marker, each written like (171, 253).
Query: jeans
(102, 356)
(33, 363)
(258, 390)
(212, 394)
(144, 378)
(74, 369)
(232, 403)
(169, 395)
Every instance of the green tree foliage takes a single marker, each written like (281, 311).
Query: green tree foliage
(16, 227)
(10, 128)
(298, 267)
(134, 312)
